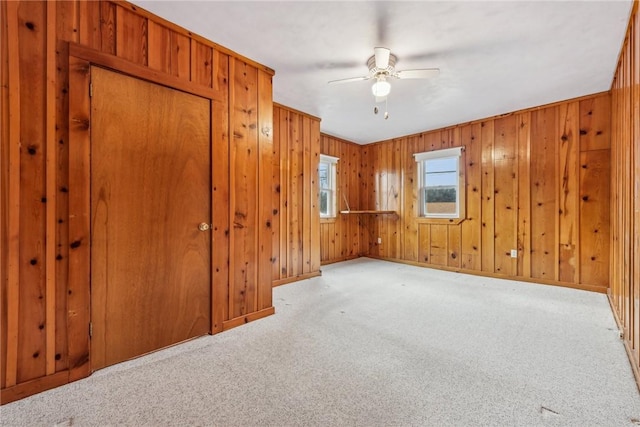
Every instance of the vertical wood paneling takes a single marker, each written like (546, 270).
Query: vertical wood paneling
(488, 203)
(243, 184)
(342, 231)
(131, 36)
(11, 288)
(624, 273)
(4, 179)
(354, 195)
(524, 194)
(265, 189)
(543, 193)
(107, 21)
(306, 194)
(595, 125)
(294, 201)
(569, 226)
(61, 139)
(168, 51)
(410, 200)
(453, 246)
(202, 64)
(79, 227)
(524, 184)
(594, 217)
(51, 192)
(424, 243)
(275, 201)
(505, 194)
(32, 309)
(44, 273)
(472, 227)
(297, 247)
(220, 204)
(285, 170)
(89, 23)
(314, 243)
(438, 244)
(341, 237)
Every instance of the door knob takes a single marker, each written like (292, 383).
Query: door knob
(204, 226)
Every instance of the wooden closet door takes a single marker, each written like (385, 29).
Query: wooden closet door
(150, 189)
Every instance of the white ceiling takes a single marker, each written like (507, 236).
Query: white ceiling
(494, 57)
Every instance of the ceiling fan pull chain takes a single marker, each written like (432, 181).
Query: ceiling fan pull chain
(386, 108)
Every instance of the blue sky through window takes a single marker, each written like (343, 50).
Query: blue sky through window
(441, 172)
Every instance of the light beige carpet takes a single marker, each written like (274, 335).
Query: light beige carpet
(373, 343)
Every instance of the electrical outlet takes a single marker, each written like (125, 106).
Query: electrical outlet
(379, 240)
(514, 253)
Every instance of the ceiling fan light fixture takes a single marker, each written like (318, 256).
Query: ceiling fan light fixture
(381, 88)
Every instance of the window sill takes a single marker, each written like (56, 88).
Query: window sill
(328, 220)
(449, 221)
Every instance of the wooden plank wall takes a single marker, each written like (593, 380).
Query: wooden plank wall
(340, 237)
(43, 336)
(536, 181)
(624, 293)
(295, 209)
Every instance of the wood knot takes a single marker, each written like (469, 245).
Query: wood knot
(75, 244)
(583, 132)
(30, 25)
(81, 123)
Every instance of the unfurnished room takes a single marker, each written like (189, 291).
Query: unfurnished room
(320, 213)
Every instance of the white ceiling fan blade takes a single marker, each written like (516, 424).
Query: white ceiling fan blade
(418, 74)
(382, 57)
(349, 80)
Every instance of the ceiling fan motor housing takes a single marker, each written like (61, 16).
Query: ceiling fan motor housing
(374, 70)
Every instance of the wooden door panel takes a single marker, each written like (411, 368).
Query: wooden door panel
(150, 188)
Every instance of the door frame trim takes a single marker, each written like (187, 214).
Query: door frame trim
(81, 59)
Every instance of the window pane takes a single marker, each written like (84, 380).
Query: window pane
(324, 202)
(440, 200)
(441, 185)
(323, 175)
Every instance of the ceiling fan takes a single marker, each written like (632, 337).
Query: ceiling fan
(382, 69)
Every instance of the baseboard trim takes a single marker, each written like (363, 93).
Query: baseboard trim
(580, 286)
(633, 360)
(347, 258)
(291, 279)
(241, 320)
(29, 388)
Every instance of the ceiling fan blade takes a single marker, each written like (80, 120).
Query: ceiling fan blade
(418, 74)
(382, 57)
(349, 80)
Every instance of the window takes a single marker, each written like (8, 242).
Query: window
(327, 177)
(440, 181)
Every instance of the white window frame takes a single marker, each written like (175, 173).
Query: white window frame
(421, 159)
(332, 163)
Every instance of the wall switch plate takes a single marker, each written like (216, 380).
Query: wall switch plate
(379, 240)
(514, 253)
